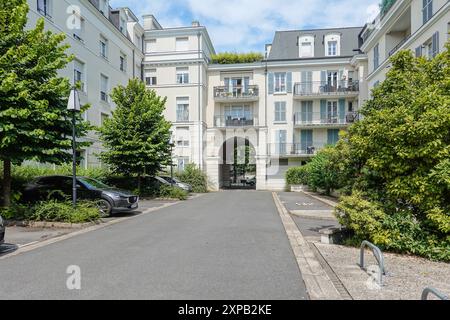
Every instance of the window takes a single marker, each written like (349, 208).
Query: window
(182, 109)
(44, 7)
(427, 10)
(103, 47)
(150, 77)
(332, 48)
(123, 62)
(79, 74)
(238, 112)
(333, 136)
(123, 26)
(182, 163)
(182, 44)
(306, 141)
(376, 56)
(103, 118)
(104, 88)
(78, 31)
(332, 112)
(103, 6)
(280, 111)
(182, 75)
(280, 82)
(150, 45)
(183, 137)
(281, 138)
(306, 49)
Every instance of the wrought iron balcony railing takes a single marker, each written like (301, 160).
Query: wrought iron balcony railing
(325, 88)
(240, 92)
(235, 121)
(324, 119)
(293, 149)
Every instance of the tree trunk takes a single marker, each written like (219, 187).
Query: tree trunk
(139, 183)
(6, 183)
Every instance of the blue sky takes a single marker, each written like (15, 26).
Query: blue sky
(247, 25)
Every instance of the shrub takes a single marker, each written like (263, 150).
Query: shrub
(297, 176)
(323, 172)
(55, 211)
(169, 192)
(233, 57)
(195, 177)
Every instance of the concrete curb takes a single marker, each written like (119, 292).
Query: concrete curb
(51, 225)
(318, 283)
(37, 245)
(312, 216)
(326, 201)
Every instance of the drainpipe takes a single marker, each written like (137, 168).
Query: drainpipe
(200, 116)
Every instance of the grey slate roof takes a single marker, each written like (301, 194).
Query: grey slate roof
(285, 43)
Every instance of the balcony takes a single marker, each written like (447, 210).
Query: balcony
(293, 149)
(317, 119)
(235, 121)
(227, 94)
(325, 89)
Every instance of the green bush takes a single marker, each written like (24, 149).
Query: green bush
(53, 211)
(233, 57)
(169, 192)
(323, 172)
(297, 176)
(398, 232)
(195, 177)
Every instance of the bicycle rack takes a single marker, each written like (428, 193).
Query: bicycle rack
(378, 255)
(433, 291)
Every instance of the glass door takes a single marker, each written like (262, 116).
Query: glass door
(332, 112)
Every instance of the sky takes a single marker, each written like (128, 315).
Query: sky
(247, 25)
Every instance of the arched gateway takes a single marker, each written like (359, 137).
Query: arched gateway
(237, 168)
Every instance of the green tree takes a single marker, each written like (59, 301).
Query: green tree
(137, 136)
(322, 170)
(34, 121)
(398, 155)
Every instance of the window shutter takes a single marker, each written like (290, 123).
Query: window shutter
(424, 11)
(323, 109)
(418, 51)
(435, 44)
(246, 84)
(323, 77)
(342, 110)
(304, 80)
(227, 84)
(289, 82)
(271, 82)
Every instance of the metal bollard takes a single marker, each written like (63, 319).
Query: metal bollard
(378, 255)
(433, 291)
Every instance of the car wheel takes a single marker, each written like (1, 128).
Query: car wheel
(104, 207)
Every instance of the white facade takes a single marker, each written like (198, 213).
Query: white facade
(285, 108)
(419, 25)
(106, 54)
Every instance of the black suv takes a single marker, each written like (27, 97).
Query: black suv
(109, 199)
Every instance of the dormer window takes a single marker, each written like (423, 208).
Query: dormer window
(332, 45)
(332, 48)
(306, 47)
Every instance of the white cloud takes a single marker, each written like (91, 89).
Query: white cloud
(241, 25)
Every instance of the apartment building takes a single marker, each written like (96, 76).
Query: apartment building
(419, 25)
(243, 124)
(108, 49)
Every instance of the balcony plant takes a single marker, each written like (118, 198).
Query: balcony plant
(234, 58)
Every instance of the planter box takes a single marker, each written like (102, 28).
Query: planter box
(298, 188)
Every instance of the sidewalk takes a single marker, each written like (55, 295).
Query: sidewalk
(406, 276)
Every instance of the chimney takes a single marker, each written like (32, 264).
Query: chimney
(195, 24)
(150, 22)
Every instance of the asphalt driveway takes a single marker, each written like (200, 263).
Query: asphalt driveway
(226, 245)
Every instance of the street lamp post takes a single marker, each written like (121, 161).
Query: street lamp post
(171, 142)
(74, 106)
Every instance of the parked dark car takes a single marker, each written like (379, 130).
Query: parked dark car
(177, 183)
(108, 199)
(2, 230)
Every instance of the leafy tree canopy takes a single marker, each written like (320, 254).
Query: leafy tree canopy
(137, 136)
